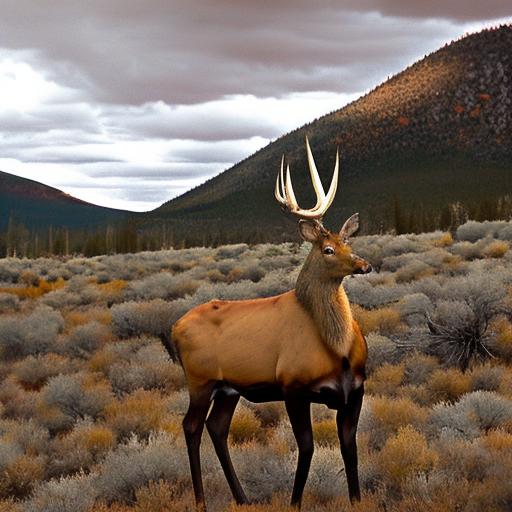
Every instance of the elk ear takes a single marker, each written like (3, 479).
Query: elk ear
(350, 227)
(310, 230)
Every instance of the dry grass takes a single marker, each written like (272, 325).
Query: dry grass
(141, 413)
(404, 455)
(245, 426)
(448, 385)
(445, 240)
(35, 291)
(386, 380)
(383, 320)
(496, 249)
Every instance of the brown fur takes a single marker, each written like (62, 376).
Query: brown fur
(324, 298)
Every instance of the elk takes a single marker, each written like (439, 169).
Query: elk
(301, 347)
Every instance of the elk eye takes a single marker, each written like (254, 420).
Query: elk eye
(328, 250)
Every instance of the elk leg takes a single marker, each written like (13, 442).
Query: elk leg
(193, 424)
(218, 423)
(346, 420)
(299, 412)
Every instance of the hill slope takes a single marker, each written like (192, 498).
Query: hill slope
(438, 132)
(38, 206)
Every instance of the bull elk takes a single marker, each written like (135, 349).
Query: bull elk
(302, 346)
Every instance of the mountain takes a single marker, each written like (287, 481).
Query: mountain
(36, 206)
(436, 133)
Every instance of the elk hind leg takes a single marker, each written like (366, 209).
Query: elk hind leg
(299, 412)
(218, 423)
(193, 424)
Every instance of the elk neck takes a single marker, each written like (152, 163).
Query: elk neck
(325, 300)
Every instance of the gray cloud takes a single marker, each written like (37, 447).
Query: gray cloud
(128, 52)
(189, 88)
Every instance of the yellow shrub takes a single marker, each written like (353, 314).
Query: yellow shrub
(384, 320)
(448, 384)
(385, 380)
(19, 477)
(35, 291)
(75, 318)
(325, 432)
(102, 360)
(502, 345)
(161, 496)
(113, 289)
(141, 412)
(9, 506)
(496, 249)
(404, 455)
(97, 439)
(444, 240)
(391, 414)
(245, 426)
(497, 441)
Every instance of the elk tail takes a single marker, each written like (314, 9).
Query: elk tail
(166, 339)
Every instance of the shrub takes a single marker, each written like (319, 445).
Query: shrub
(84, 446)
(140, 413)
(501, 342)
(384, 320)
(161, 496)
(448, 384)
(474, 412)
(382, 417)
(473, 231)
(231, 251)
(327, 479)
(133, 465)
(8, 302)
(244, 426)
(154, 318)
(20, 476)
(263, 471)
(404, 455)
(486, 377)
(414, 308)
(418, 368)
(381, 350)
(162, 285)
(67, 398)
(385, 380)
(459, 330)
(444, 240)
(496, 249)
(32, 334)
(32, 438)
(73, 494)
(85, 339)
(33, 372)
(325, 432)
(414, 270)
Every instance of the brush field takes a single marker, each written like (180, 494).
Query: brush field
(91, 406)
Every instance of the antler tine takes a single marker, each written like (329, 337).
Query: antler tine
(285, 194)
(279, 191)
(315, 178)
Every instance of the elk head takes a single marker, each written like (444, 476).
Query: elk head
(331, 252)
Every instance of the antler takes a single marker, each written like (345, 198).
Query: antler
(286, 197)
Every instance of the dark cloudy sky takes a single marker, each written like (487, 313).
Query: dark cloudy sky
(127, 103)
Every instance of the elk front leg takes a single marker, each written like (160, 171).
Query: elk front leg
(218, 423)
(193, 424)
(299, 412)
(346, 420)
